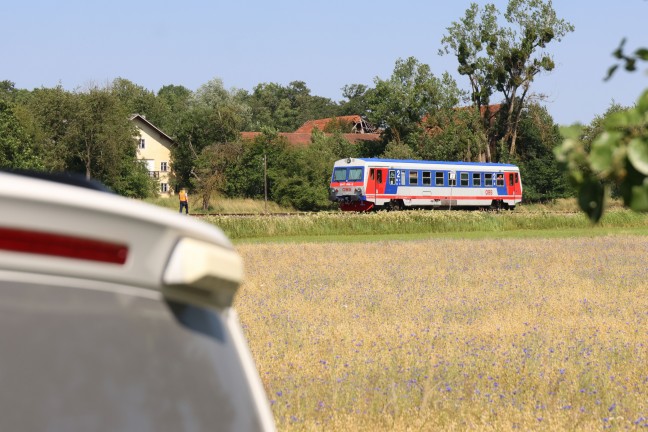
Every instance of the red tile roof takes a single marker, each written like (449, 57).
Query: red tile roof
(304, 139)
(302, 136)
(322, 123)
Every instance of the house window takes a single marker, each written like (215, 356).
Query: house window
(439, 178)
(164, 166)
(427, 178)
(413, 177)
(142, 143)
(463, 179)
(164, 187)
(476, 179)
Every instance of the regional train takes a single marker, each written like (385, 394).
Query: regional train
(365, 184)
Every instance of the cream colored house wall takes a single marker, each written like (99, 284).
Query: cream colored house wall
(156, 150)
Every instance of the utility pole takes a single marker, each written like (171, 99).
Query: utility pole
(265, 183)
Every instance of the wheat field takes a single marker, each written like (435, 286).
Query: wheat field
(488, 334)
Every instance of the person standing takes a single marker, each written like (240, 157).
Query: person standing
(184, 200)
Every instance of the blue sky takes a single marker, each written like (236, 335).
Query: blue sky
(325, 44)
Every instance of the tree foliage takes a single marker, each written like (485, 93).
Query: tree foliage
(209, 173)
(286, 108)
(401, 102)
(505, 59)
(215, 115)
(15, 151)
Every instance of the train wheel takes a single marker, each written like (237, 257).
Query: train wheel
(397, 204)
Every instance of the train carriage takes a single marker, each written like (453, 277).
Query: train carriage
(364, 184)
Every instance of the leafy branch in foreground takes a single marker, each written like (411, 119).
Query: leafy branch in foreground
(629, 60)
(618, 155)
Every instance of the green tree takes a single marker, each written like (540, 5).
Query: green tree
(286, 108)
(138, 100)
(356, 100)
(246, 178)
(215, 115)
(401, 102)
(543, 179)
(505, 59)
(396, 150)
(176, 101)
(101, 144)
(209, 173)
(453, 134)
(303, 176)
(15, 149)
(50, 114)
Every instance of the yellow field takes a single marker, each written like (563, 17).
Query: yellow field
(451, 334)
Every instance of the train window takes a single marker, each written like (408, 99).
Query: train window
(392, 177)
(488, 179)
(476, 179)
(439, 179)
(463, 179)
(355, 174)
(413, 177)
(500, 179)
(427, 178)
(339, 174)
(371, 173)
(517, 178)
(379, 176)
(511, 180)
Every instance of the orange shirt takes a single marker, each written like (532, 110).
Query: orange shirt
(183, 196)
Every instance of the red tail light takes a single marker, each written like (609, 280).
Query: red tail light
(42, 243)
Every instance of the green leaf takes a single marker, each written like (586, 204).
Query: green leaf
(603, 150)
(610, 72)
(617, 120)
(640, 198)
(573, 132)
(590, 199)
(642, 53)
(642, 103)
(638, 155)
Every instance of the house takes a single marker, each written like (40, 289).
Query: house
(154, 147)
(359, 130)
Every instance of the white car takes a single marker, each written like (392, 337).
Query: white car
(116, 315)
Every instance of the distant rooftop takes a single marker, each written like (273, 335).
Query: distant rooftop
(359, 130)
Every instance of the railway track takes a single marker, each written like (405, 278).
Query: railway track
(244, 215)
(199, 215)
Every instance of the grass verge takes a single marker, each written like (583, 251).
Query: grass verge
(335, 226)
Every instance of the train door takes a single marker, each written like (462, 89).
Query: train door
(513, 186)
(376, 183)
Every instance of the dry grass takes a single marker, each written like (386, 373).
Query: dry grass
(219, 204)
(451, 334)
